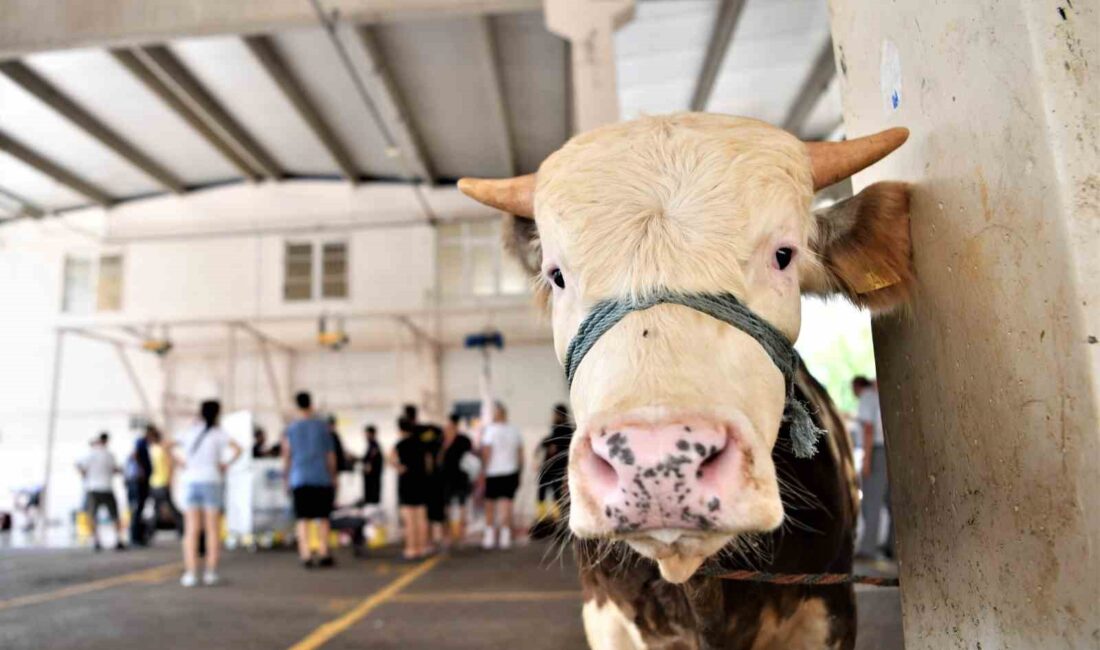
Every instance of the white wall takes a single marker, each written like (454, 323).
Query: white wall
(190, 258)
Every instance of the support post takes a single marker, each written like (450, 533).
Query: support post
(51, 422)
(990, 382)
(167, 370)
(229, 392)
(273, 383)
(146, 406)
(589, 26)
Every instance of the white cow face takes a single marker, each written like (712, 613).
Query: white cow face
(677, 412)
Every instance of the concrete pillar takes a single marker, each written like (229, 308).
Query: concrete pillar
(589, 26)
(991, 383)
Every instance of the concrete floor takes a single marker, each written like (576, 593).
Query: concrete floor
(76, 599)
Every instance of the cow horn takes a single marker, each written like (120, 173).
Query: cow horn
(835, 161)
(512, 195)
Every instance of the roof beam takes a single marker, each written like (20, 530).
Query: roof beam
(392, 119)
(26, 207)
(39, 25)
(272, 62)
(161, 61)
(155, 85)
(729, 12)
(45, 92)
(498, 104)
(54, 171)
(815, 85)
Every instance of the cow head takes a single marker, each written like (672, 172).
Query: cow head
(677, 413)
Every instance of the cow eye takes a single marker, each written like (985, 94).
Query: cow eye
(557, 278)
(783, 257)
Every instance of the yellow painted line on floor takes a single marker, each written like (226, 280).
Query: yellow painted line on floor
(148, 576)
(327, 631)
(437, 597)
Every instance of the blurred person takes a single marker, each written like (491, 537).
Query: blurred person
(454, 448)
(412, 461)
(259, 445)
(431, 437)
(139, 467)
(502, 460)
(873, 477)
(28, 503)
(555, 461)
(204, 465)
(309, 464)
(160, 481)
(98, 469)
(343, 463)
(371, 467)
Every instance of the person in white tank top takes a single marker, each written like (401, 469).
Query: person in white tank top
(502, 460)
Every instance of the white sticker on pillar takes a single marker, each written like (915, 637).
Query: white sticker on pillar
(890, 71)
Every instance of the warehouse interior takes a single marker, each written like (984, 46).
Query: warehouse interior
(243, 201)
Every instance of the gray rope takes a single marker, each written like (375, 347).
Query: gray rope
(724, 307)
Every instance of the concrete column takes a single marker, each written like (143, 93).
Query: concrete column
(589, 26)
(991, 383)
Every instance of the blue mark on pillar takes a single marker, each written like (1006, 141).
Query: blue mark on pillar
(895, 100)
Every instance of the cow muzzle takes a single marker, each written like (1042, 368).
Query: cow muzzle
(665, 475)
(676, 489)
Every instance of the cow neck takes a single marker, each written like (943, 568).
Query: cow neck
(727, 308)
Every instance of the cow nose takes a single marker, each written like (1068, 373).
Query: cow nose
(660, 476)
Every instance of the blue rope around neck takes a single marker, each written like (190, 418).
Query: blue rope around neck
(724, 307)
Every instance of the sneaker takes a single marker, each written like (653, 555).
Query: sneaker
(188, 580)
(488, 542)
(326, 561)
(309, 564)
(210, 578)
(505, 538)
(97, 547)
(120, 547)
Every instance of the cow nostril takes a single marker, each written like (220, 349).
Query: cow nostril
(712, 455)
(599, 469)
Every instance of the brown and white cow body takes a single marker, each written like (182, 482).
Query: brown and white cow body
(680, 456)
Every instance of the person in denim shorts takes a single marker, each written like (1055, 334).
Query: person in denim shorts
(201, 452)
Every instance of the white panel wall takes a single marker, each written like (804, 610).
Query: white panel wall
(190, 258)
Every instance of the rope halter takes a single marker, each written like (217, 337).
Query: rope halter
(724, 307)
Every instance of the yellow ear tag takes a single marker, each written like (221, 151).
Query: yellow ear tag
(873, 281)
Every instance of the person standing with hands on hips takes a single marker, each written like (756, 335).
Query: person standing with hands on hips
(204, 465)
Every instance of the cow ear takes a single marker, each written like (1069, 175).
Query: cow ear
(863, 246)
(521, 240)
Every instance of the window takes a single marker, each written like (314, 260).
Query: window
(313, 270)
(298, 272)
(472, 262)
(334, 270)
(92, 284)
(109, 289)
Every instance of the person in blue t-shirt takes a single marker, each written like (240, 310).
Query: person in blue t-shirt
(309, 463)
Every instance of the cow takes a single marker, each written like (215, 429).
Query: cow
(689, 458)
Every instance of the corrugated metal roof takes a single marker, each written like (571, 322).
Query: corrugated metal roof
(485, 96)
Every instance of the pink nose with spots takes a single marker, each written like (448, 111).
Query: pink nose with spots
(646, 477)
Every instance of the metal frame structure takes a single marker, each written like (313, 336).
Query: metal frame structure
(125, 335)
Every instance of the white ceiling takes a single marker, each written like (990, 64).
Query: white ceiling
(441, 71)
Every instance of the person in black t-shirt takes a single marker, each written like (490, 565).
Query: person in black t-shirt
(431, 437)
(454, 481)
(371, 465)
(412, 462)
